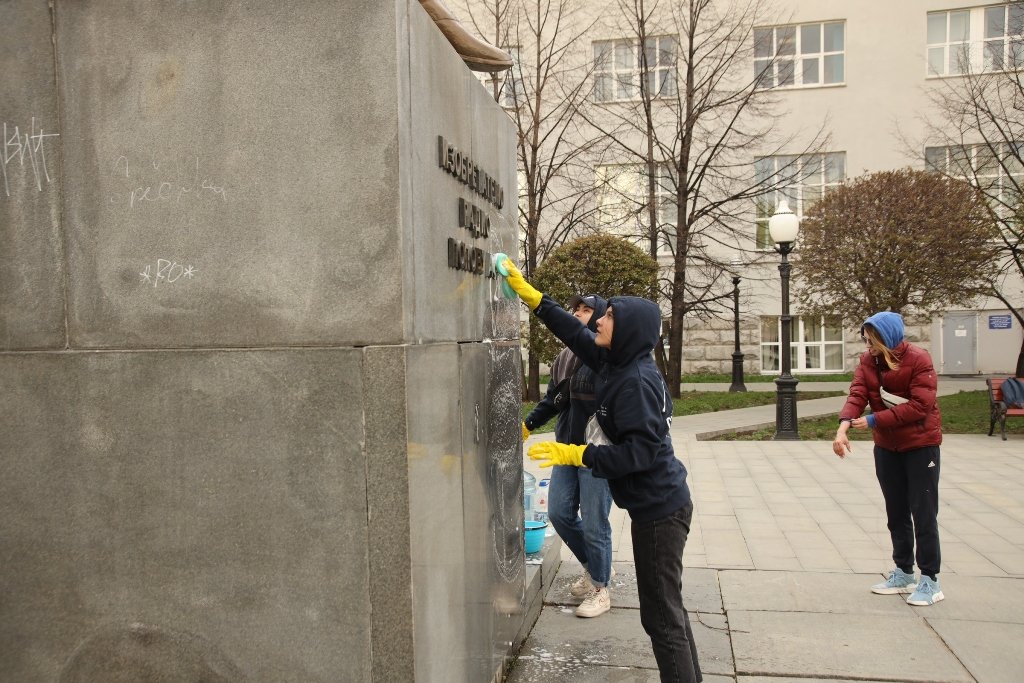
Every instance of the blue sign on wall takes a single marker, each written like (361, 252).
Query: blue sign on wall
(1000, 322)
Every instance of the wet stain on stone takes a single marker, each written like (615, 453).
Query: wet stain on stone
(142, 652)
(162, 88)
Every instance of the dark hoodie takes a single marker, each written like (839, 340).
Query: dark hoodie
(572, 420)
(634, 407)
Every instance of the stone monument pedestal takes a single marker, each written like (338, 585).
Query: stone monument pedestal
(260, 417)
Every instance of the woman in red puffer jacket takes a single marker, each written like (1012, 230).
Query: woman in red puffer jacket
(897, 381)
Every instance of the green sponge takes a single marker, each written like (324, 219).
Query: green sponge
(497, 262)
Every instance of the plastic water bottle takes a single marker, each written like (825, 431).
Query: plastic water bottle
(541, 504)
(529, 496)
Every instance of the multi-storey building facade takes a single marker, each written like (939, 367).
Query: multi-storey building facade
(863, 74)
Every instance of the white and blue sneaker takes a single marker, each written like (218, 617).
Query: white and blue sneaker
(898, 582)
(928, 593)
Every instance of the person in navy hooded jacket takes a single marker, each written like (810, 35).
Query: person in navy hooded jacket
(575, 490)
(628, 443)
(897, 380)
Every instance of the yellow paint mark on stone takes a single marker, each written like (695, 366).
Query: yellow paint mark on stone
(162, 89)
(450, 462)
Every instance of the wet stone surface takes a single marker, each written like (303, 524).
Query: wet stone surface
(566, 647)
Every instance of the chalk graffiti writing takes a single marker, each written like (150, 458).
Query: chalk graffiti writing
(167, 272)
(157, 182)
(19, 148)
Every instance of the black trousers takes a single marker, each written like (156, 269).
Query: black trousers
(658, 555)
(910, 486)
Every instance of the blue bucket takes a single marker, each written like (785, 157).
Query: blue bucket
(534, 536)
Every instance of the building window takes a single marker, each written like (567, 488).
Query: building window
(801, 180)
(949, 35)
(978, 39)
(622, 204)
(512, 88)
(997, 172)
(800, 55)
(510, 93)
(617, 69)
(816, 346)
(660, 53)
(1003, 45)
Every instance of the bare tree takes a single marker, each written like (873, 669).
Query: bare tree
(546, 94)
(976, 132)
(692, 124)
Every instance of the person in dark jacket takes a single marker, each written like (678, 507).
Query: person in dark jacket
(576, 489)
(897, 380)
(628, 443)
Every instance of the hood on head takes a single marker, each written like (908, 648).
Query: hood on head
(637, 328)
(889, 326)
(594, 301)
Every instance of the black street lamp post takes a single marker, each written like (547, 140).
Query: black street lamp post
(737, 355)
(783, 227)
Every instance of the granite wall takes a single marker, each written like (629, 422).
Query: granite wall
(261, 400)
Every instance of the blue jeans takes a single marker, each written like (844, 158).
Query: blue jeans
(574, 490)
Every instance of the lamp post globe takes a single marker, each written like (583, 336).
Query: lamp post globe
(783, 227)
(737, 355)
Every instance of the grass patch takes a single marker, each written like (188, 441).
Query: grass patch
(708, 378)
(696, 402)
(966, 412)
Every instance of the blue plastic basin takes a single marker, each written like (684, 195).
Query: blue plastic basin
(534, 535)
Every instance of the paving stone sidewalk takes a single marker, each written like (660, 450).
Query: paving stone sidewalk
(786, 540)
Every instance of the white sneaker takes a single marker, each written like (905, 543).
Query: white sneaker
(581, 586)
(597, 602)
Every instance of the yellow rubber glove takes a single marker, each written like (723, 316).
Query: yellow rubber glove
(526, 432)
(530, 296)
(554, 453)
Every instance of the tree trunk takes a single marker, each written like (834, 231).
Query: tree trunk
(533, 388)
(660, 359)
(1019, 372)
(675, 347)
(675, 329)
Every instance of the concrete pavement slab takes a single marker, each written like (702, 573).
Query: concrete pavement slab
(562, 642)
(777, 679)
(974, 598)
(808, 592)
(700, 588)
(858, 646)
(540, 669)
(786, 624)
(991, 652)
(613, 639)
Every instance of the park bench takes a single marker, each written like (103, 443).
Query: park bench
(1000, 411)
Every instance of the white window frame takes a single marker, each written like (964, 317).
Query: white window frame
(800, 348)
(512, 88)
(511, 84)
(952, 48)
(788, 52)
(617, 68)
(977, 48)
(987, 173)
(621, 200)
(808, 186)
